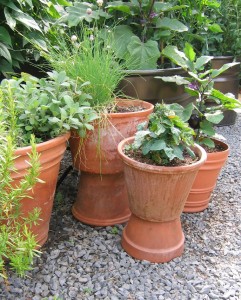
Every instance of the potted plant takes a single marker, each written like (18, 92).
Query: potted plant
(141, 29)
(102, 196)
(47, 108)
(200, 84)
(160, 165)
(214, 29)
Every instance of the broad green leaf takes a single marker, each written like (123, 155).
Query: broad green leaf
(54, 120)
(191, 92)
(161, 6)
(176, 56)
(201, 61)
(215, 117)
(4, 52)
(225, 67)
(176, 78)
(207, 128)
(144, 55)
(5, 36)
(27, 20)
(122, 35)
(10, 20)
(227, 101)
(208, 142)
(118, 6)
(189, 51)
(158, 145)
(178, 152)
(187, 112)
(171, 24)
(215, 28)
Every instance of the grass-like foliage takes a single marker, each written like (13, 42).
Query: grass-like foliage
(88, 57)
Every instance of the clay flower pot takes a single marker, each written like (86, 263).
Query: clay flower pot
(51, 153)
(102, 196)
(157, 195)
(206, 180)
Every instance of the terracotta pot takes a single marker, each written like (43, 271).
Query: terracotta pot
(157, 195)
(102, 196)
(206, 179)
(142, 84)
(51, 153)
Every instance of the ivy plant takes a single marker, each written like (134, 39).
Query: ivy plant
(45, 107)
(199, 83)
(167, 136)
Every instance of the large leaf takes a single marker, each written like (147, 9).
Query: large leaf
(201, 61)
(118, 6)
(158, 145)
(176, 78)
(189, 51)
(144, 55)
(171, 24)
(176, 56)
(122, 35)
(207, 128)
(5, 36)
(225, 67)
(215, 28)
(26, 20)
(227, 101)
(215, 117)
(4, 52)
(10, 20)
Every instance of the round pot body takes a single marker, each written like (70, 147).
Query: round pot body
(227, 82)
(42, 196)
(157, 195)
(142, 84)
(102, 196)
(205, 182)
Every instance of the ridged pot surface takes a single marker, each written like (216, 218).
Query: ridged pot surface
(98, 152)
(156, 198)
(51, 153)
(158, 193)
(142, 84)
(206, 180)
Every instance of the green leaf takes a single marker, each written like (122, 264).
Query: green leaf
(158, 145)
(144, 55)
(189, 51)
(215, 28)
(171, 24)
(27, 20)
(207, 128)
(208, 142)
(118, 6)
(176, 56)
(215, 117)
(54, 120)
(122, 35)
(5, 52)
(187, 112)
(227, 101)
(5, 36)
(201, 61)
(176, 78)
(225, 67)
(10, 20)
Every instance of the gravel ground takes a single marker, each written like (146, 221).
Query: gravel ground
(82, 262)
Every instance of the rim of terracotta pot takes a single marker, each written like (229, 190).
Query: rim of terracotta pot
(223, 144)
(44, 145)
(148, 108)
(160, 169)
(152, 71)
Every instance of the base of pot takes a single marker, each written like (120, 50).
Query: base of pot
(198, 200)
(157, 242)
(101, 200)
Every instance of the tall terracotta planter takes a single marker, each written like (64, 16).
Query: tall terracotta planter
(157, 196)
(206, 179)
(51, 153)
(102, 196)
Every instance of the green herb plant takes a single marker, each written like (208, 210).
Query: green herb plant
(199, 83)
(167, 136)
(46, 107)
(88, 57)
(17, 243)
